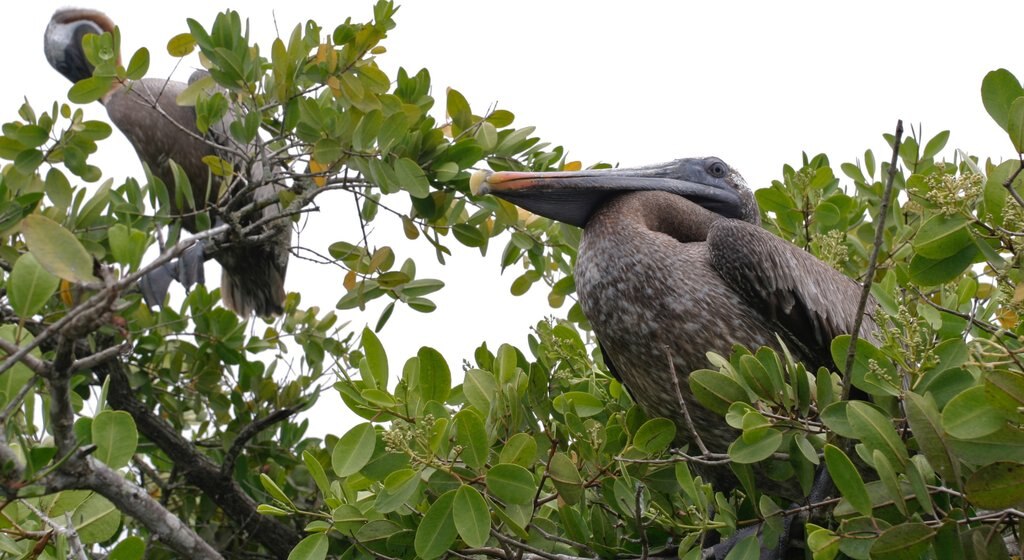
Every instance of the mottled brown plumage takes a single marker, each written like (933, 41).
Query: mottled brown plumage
(160, 130)
(660, 277)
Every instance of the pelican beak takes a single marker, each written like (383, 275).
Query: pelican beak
(573, 196)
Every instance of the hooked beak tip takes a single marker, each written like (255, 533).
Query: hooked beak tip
(478, 182)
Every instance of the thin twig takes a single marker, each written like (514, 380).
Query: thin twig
(682, 405)
(883, 212)
(248, 433)
(102, 297)
(1008, 184)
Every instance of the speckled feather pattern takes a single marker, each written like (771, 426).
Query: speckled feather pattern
(659, 276)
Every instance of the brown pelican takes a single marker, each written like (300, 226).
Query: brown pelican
(161, 130)
(673, 264)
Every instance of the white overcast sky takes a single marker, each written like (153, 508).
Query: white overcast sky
(632, 82)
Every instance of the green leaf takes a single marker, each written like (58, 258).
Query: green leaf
(115, 436)
(472, 436)
(926, 425)
(435, 379)
(824, 544)
(458, 110)
(316, 470)
(935, 145)
(1015, 126)
(762, 443)
(96, 519)
(131, 548)
(520, 449)
(437, 530)
(90, 89)
(715, 390)
(942, 236)
(902, 542)
(412, 178)
(877, 432)
(181, 45)
(275, 491)
(847, 479)
(30, 286)
(997, 486)
(376, 358)
(399, 487)
(933, 272)
(511, 483)
(313, 547)
(580, 403)
(746, 549)
(354, 449)
(969, 415)
(655, 435)
(57, 249)
(566, 478)
(138, 65)
(472, 519)
(999, 89)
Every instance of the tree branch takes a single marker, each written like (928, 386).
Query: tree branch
(198, 469)
(248, 433)
(865, 293)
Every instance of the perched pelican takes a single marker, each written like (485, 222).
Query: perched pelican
(161, 130)
(672, 265)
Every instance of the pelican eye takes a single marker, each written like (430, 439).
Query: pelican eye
(717, 169)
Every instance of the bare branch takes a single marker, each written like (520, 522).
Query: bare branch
(869, 277)
(248, 433)
(67, 530)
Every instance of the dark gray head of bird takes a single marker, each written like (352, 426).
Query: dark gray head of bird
(62, 40)
(573, 196)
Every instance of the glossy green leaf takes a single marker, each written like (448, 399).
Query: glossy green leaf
(926, 425)
(437, 530)
(138, 65)
(115, 437)
(275, 491)
(472, 520)
(181, 45)
(316, 470)
(313, 547)
(90, 89)
(511, 483)
(354, 449)
(847, 479)
(57, 249)
(30, 286)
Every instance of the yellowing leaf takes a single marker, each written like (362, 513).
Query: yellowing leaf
(57, 249)
(572, 166)
(181, 45)
(319, 170)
